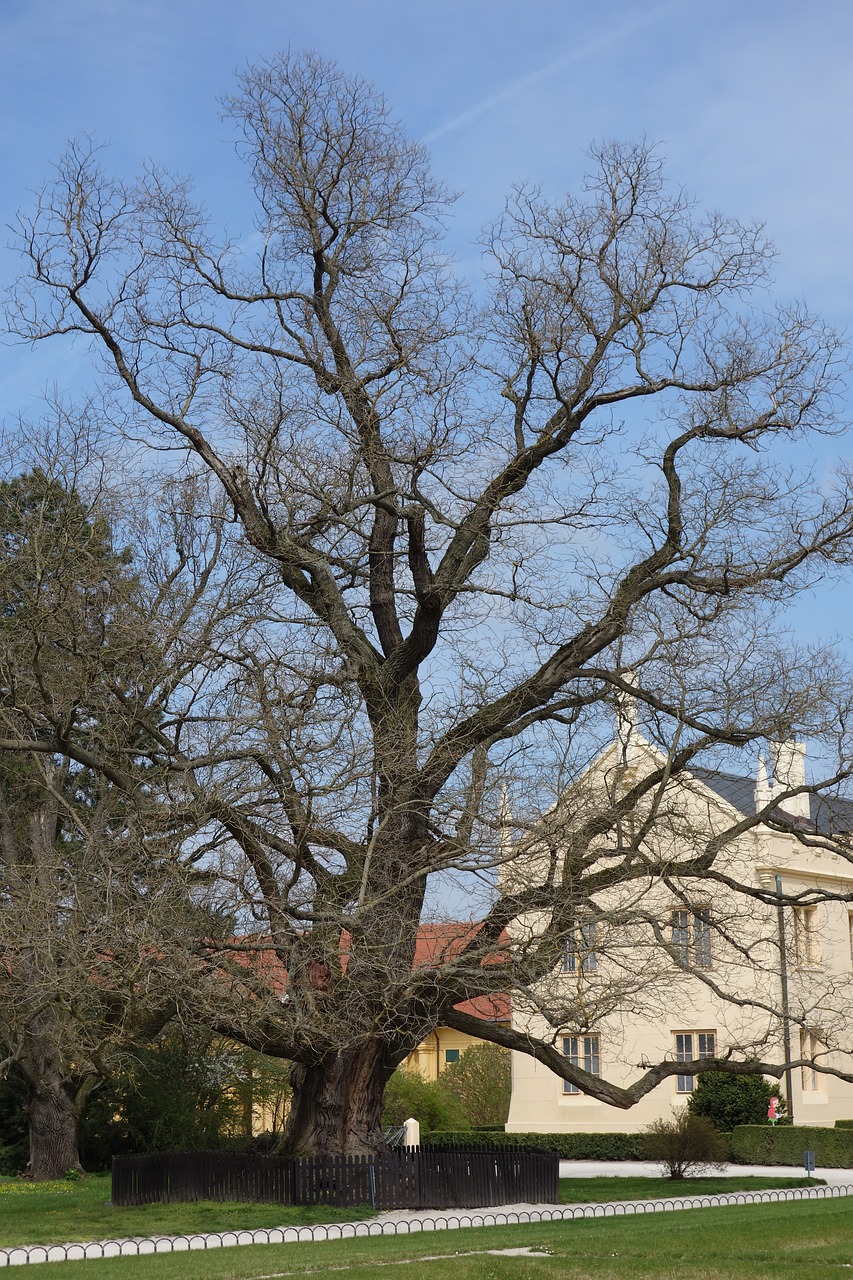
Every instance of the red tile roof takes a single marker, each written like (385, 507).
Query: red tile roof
(436, 944)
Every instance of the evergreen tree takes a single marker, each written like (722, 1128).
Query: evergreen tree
(82, 905)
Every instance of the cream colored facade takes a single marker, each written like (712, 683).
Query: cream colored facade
(438, 1051)
(695, 970)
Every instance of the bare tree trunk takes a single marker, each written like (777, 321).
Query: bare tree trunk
(53, 1129)
(337, 1104)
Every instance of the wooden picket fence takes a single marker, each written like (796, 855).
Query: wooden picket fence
(408, 1179)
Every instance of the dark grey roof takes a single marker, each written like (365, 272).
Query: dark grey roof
(829, 814)
(832, 815)
(736, 791)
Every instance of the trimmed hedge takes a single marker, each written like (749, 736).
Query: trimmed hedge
(748, 1144)
(763, 1144)
(844, 1124)
(568, 1146)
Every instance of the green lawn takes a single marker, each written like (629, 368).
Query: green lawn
(761, 1242)
(38, 1213)
(32, 1213)
(581, 1190)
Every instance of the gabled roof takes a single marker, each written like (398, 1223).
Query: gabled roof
(438, 943)
(828, 815)
(736, 791)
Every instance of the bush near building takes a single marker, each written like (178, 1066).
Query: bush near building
(728, 1101)
(470, 1093)
(568, 1146)
(409, 1095)
(481, 1082)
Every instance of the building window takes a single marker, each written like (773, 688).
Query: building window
(689, 1046)
(451, 1055)
(691, 937)
(579, 949)
(805, 936)
(810, 1048)
(585, 1052)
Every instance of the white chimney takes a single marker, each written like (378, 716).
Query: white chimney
(763, 789)
(789, 771)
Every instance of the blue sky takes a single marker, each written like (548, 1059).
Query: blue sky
(750, 101)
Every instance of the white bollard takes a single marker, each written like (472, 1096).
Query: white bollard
(411, 1133)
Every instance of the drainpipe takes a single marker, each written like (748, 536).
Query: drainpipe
(786, 1016)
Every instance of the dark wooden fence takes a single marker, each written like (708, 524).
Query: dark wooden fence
(412, 1179)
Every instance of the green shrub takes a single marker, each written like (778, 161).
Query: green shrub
(844, 1124)
(180, 1093)
(14, 1128)
(764, 1144)
(407, 1094)
(14, 1136)
(481, 1083)
(686, 1144)
(728, 1100)
(568, 1146)
(13, 1157)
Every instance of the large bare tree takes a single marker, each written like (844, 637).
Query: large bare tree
(477, 515)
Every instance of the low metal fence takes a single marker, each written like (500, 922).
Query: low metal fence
(19, 1255)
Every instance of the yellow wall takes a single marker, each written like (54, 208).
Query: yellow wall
(430, 1057)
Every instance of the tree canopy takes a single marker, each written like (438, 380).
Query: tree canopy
(466, 521)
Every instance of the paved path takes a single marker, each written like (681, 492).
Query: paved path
(402, 1222)
(650, 1169)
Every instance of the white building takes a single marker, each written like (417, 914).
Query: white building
(676, 967)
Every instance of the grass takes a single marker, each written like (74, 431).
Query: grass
(763, 1242)
(582, 1190)
(56, 1212)
(40, 1213)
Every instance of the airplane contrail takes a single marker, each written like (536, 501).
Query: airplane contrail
(534, 77)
